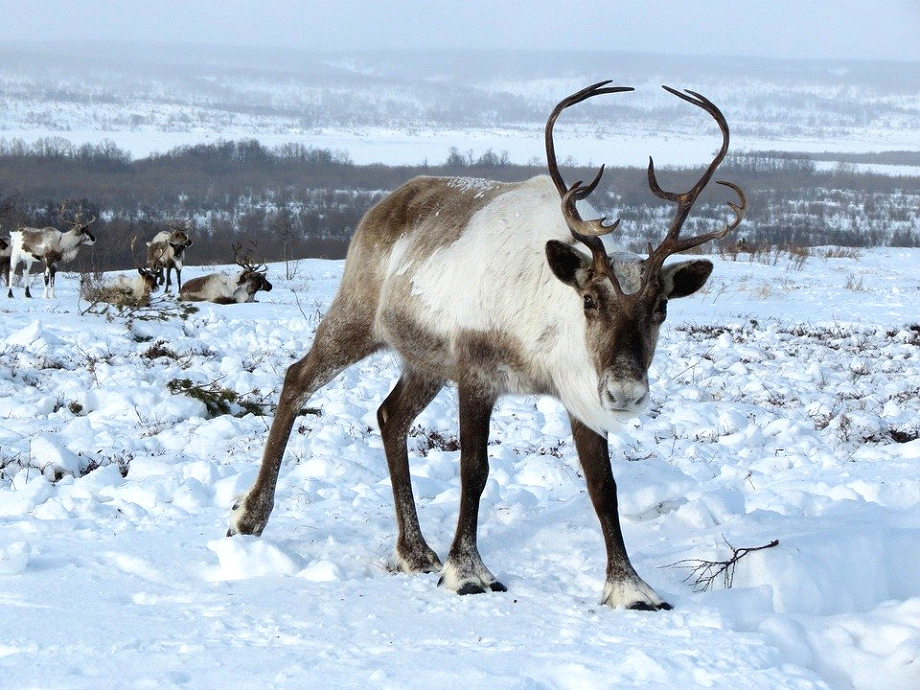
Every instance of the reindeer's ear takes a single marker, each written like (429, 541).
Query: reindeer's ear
(685, 278)
(567, 263)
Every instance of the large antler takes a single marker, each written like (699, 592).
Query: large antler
(77, 221)
(672, 243)
(587, 232)
(244, 261)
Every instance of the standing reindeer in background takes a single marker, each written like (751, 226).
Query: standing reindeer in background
(5, 250)
(166, 252)
(487, 284)
(224, 289)
(6, 243)
(50, 246)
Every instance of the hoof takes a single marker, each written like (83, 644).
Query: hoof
(633, 593)
(470, 588)
(417, 560)
(470, 585)
(645, 606)
(476, 588)
(244, 520)
(468, 575)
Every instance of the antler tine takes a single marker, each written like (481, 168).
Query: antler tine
(77, 219)
(261, 267)
(584, 94)
(591, 237)
(586, 190)
(237, 248)
(579, 227)
(244, 261)
(690, 196)
(739, 209)
(671, 244)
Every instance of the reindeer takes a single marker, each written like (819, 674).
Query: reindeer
(487, 284)
(166, 251)
(136, 288)
(5, 251)
(48, 245)
(224, 289)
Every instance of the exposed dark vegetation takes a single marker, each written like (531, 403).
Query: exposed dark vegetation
(295, 202)
(217, 399)
(705, 573)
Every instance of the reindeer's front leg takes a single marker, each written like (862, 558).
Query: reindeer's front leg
(342, 338)
(623, 586)
(464, 572)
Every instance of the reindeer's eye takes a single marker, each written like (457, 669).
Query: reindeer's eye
(661, 311)
(590, 303)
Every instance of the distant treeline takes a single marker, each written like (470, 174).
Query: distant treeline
(295, 201)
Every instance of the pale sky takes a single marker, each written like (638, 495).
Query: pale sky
(877, 29)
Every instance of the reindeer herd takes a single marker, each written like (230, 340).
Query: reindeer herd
(501, 288)
(165, 256)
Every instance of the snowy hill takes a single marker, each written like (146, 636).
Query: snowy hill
(411, 106)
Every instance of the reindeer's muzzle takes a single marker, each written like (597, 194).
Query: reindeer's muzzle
(622, 392)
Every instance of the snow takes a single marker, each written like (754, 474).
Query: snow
(780, 395)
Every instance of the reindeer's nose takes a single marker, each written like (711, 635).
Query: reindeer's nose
(624, 394)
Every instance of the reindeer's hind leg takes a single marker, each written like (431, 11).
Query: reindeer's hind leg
(15, 260)
(342, 338)
(26, 278)
(50, 271)
(410, 396)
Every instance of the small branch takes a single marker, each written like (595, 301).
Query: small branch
(704, 573)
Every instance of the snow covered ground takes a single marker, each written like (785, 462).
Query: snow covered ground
(786, 406)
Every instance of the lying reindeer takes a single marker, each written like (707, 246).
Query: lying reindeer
(223, 289)
(48, 245)
(505, 289)
(133, 288)
(166, 252)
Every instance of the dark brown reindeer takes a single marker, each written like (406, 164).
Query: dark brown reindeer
(483, 283)
(50, 246)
